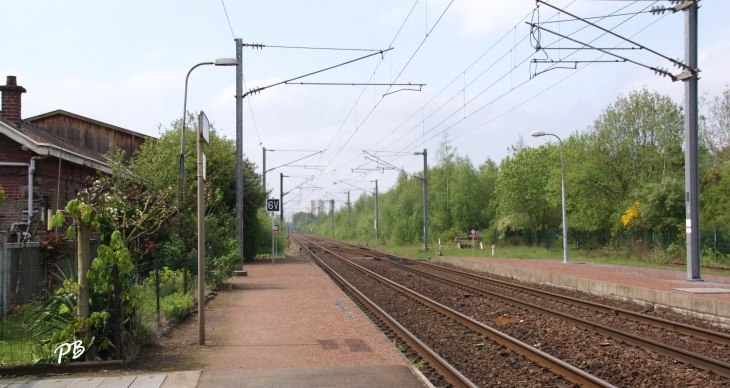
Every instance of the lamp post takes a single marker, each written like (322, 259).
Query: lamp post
(217, 62)
(562, 168)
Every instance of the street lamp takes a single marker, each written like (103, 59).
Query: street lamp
(562, 168)
(218, 62)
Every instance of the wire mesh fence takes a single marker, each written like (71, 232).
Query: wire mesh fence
(34, 313)
(711, 240)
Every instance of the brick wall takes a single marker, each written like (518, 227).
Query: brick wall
(14, 181)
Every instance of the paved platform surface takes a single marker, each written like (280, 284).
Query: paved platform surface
(364, 376)
(290, 315)
(142, 381)
(657, 279)
(351, 376)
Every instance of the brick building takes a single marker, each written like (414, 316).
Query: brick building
(47, 158)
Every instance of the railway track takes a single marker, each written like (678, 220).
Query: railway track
(475, 284)
(544, 360)
(681, 328)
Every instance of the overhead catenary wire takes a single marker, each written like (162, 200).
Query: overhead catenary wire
(430, 138)
(508, 33)
(261, 46)
(229, 20)
(396, 79)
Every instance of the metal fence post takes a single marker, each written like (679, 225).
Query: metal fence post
(117, 315)
(157, 288)
(185, 273)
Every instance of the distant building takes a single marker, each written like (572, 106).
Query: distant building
(318, 206)
(45, 160)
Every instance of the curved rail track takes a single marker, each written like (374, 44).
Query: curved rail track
(555, 365)
(434, 272)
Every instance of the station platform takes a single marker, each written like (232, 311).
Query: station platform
(708, 299)
(282, 325)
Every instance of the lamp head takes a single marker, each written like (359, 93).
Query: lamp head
(226, 62)
(538, 133)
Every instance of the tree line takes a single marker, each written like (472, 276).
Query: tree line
(624, 172)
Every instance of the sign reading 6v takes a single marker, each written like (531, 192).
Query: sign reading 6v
(272, 205)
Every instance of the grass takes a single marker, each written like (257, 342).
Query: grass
(17, 344)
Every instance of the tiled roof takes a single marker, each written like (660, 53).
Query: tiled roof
(42, 137)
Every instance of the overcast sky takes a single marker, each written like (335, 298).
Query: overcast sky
(125, 63)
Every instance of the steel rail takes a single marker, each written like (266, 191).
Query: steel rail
(702, 362)
(697, 360)
(719, 338)
(709, 335)
(446, 370)
(555, 365)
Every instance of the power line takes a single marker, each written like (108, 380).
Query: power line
(261, 46)
(396, 79)
(229, 20)
(251, 109)
(499, 97)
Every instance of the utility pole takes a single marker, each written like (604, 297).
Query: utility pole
(332, 212)
(263, 172)
(377, 224)
(239, 145)
(348, 208)
(691, 170)
(281, 197)
(425, 199)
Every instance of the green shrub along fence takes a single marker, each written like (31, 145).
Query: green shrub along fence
(714, 240)
(166, 291)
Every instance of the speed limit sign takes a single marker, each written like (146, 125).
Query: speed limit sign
(272, 205)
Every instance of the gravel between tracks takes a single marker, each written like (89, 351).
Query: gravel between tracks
(695, 345)
(482, 361)
(617, 363)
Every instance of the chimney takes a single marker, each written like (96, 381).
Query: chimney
(11, 100)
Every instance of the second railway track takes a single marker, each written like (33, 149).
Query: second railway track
(425, 277)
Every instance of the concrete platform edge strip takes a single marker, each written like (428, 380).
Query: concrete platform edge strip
(703, 308)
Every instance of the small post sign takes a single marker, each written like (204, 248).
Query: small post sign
(204, 128)
(276, 229)
(472, 236)
(272, 205)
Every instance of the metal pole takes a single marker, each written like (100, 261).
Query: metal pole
(239, 145)
(691, 172)
(272, 239)
(263, 174)
(118, 314)
(332, 213)
(201, 241)
(348, 207)
(281, 198)
(157, 289)
(425, 199)
(182, 150)
(377, 224)
(565, 216)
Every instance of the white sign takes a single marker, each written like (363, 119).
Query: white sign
(66, 348)
(204, 127)
(205, 169)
